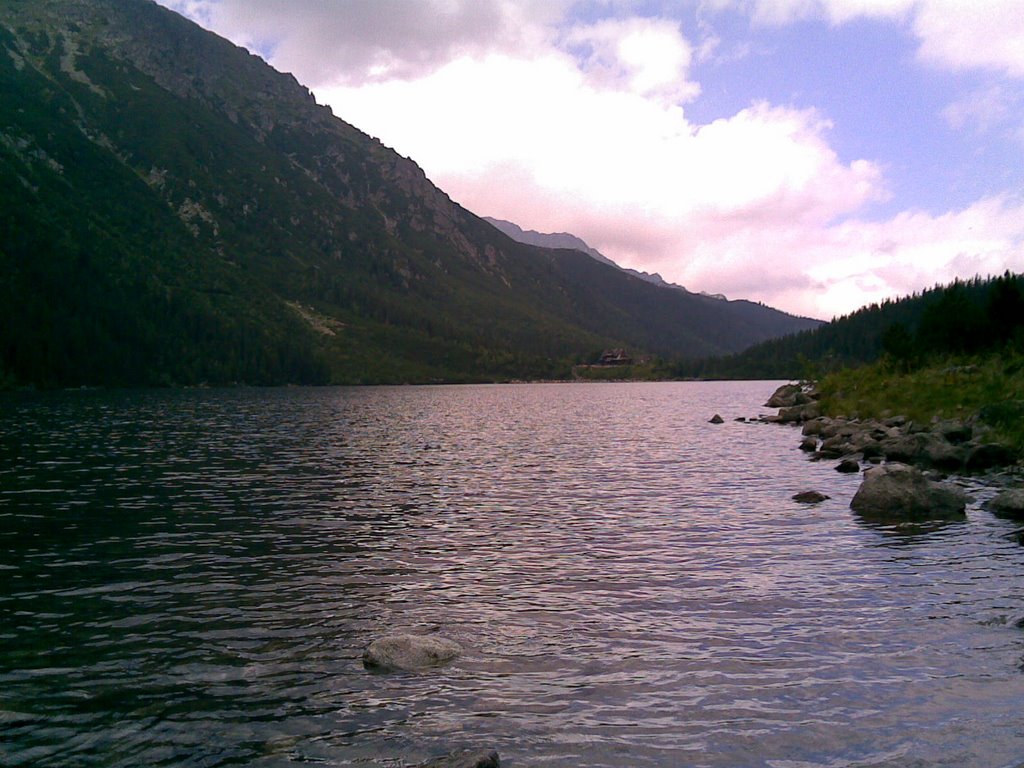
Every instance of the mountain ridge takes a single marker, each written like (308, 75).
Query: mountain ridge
(176, 211)
(566, 240)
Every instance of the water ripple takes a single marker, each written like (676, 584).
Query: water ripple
(189, 578)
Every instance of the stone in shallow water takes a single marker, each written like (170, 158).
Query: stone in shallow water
(898, 492)
(848, 465)
(465, 759)
(810, 497)
(809, 444)
(1009, 503)
(410, 652)
(716, 419)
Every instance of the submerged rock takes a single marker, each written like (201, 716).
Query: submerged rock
(848, 465)
(1003, 620)
(465, 759)
(810, 497)
(410, 652)
(899, 492)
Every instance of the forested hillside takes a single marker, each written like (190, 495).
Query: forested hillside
(965, 317)
(174, 211)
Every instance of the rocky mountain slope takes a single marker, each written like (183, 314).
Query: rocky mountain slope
(173, 210)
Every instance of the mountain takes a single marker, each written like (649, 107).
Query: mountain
(563, 240)
(175, 211)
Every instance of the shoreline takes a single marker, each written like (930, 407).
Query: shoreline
(926, 459)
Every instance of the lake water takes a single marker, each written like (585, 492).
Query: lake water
(189, 578)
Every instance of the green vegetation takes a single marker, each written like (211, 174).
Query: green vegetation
(953, 352)
(989, 386)
(973, 317)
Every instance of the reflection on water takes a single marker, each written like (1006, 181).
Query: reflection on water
(189, 578)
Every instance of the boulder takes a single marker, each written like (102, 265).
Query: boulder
(809, 444)
(831, 427)
(410, 652)
(903, 449)
(465, 759)
(845, 443)
(898, 492)
(872, 451)
(716, 419)
(938, 452)
(785, 396)
(1008, 503)
(815, 427)
(799, 413)
(848, 465)
(810, 497)
(987, 456)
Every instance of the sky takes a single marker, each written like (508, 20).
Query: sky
(814, 155)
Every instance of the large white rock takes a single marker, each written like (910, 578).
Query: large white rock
(410, 652)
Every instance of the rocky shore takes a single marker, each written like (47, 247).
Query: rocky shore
(904, 460)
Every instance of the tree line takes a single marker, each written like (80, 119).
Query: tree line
(965, 317)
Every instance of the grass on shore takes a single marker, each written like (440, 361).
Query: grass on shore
(990, 387)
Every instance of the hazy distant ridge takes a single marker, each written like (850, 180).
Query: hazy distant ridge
(566, 240)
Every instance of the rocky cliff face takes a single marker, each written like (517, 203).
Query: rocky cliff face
(271, 107)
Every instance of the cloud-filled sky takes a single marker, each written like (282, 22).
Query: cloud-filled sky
(816, 155)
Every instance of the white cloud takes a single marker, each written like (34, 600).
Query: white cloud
(953, 34)
(825, 271)
(986, 34)
(779, 12)
(870, 261)
(605, 151)
(649, 57)
(984, 110)
(356, 41)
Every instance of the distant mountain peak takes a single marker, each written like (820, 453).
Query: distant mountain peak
(572, 242)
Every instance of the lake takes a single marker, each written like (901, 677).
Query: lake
(189, 578)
